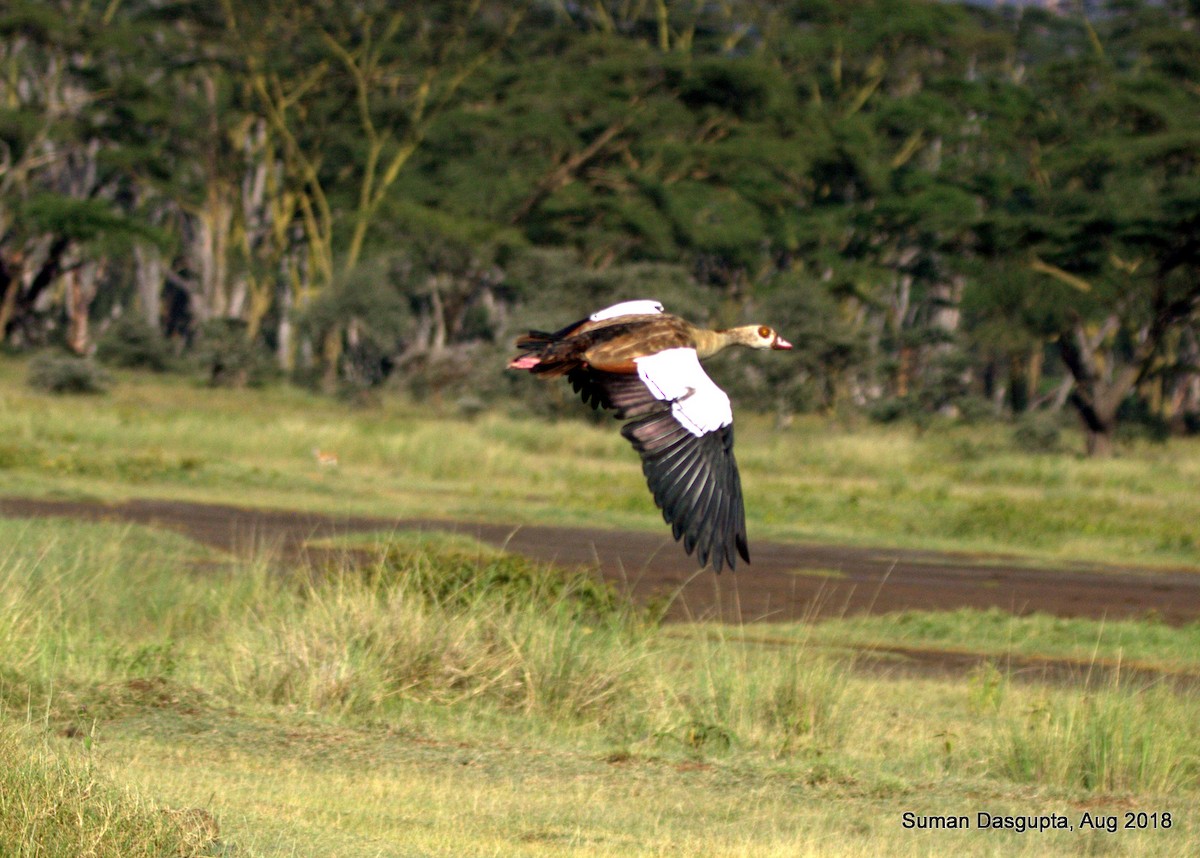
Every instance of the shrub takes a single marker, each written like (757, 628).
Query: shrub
(890, 409)
(58, 373)
(134, 343)
(1038, 432)
(229, 358)
(973, 410)
(368, 314)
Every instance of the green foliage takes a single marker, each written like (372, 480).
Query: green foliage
(1038, 432)
(826, 348)
(66, 374)
(82, 220)
(929, 192)
(746, 87)
(134, 343)
(228, 357)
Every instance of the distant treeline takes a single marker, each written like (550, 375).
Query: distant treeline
(947, 208)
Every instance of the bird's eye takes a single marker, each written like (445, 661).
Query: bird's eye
(764, 332)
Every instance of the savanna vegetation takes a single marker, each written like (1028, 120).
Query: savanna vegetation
(438, 697)
(953, 209)
(950, 485)
(237, 237)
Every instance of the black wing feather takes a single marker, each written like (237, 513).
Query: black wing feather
(694, 480)
(622, 393)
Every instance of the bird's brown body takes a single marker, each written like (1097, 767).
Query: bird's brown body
(613, 344)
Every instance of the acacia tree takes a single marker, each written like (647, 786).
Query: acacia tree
(1112, 216)
(59, 216)
(394, 70)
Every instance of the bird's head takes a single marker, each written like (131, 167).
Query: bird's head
(760, 337)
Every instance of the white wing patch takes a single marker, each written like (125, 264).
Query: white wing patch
(675, 376)
(627, 308)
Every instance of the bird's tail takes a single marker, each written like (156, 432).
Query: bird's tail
(544, 353)
(533, 347)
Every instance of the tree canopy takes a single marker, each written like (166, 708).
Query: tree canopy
(950, 206)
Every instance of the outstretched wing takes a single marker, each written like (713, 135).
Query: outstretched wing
(622, 393)
(683, 430)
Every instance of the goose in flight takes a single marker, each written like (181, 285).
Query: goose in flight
(644, 366)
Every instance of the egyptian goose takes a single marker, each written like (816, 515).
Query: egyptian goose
(644, 365)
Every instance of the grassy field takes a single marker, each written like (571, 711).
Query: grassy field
(953, 486)
(453, 700)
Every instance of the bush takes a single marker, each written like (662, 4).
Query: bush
(891, 409)
(134, 343)
(1137, 421)
(973, 410)
(368, 313)
(1038, 432)
(229, 358)
(59, 373)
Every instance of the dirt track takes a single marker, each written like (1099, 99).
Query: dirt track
(784, 582)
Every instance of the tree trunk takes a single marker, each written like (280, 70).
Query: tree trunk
(8, 305)
(331, 353)
(149, 277)
(905, 370)
(1018, 384)
(1097, 406)
(285, 348)
(1099, 423)
(211, 254)
(1099, 443)
(77, 303)
(84, 286)
(1097, 396)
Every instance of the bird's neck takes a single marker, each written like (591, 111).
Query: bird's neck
(708, 343)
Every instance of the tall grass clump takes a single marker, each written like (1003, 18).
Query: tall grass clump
(93, 602)
(445, 624)
(720, 692)
(98, 619)
(1112, 738)
(452, 623)
(60, 808)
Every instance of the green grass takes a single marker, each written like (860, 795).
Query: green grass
(1148, 644)
(959, 487)
(505, 708)
(58, 804)
(450, 699)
